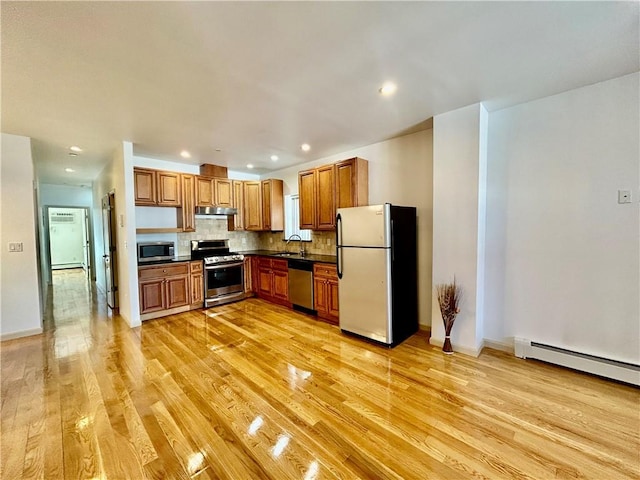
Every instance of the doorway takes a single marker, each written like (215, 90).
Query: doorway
(69, 238)
(110, 257)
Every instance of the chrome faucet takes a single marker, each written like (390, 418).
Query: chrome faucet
(286, 247)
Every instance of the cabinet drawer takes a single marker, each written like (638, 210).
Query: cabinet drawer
(196, 267)
(164, 270)
(325, 270)
(279, 264)
(264, 262)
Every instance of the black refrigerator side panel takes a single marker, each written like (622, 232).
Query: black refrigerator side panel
(404, 273)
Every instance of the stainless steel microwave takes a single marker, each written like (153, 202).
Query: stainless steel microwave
(155, 251)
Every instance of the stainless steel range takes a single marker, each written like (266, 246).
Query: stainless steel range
(223, 271)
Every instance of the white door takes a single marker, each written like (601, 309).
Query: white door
(66, 237)
(364, 292)
(364, 226)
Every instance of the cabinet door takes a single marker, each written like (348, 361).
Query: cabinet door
(187, 212)
(224, 192)
(307, 199)
(197, 288)
(352, 183)
(325, 188)
(178, 293)
(247, 274)
(168, 189)
(281, 285)
(236, 222)
(266, 205)
(152, 295)
(255, 280)
(332, 298)
(264, 282)
(204, 192)
(319, 295)
(252, 205)
(144, 182)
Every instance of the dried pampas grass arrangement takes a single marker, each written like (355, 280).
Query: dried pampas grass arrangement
(449, 295)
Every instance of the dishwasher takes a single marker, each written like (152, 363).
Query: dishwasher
(301, 284)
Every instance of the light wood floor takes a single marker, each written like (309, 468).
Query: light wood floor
(252, 390)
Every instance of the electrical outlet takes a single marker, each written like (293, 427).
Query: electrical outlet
(624, 196)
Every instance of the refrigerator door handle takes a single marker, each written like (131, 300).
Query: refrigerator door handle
(338, 244)
(391, 243)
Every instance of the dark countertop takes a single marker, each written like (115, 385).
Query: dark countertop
(309, 257)
(184, 258)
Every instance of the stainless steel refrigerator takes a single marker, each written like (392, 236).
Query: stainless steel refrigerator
(377, 271)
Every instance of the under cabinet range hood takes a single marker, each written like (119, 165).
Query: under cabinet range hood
(216, 211)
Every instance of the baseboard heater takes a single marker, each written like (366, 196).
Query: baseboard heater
(604, 367)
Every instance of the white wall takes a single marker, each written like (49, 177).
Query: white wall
(20, 306)
(400, 172)
(117, 176)
(563, 260)
(459, 170)
(65, 196)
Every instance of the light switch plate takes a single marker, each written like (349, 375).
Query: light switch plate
(624, 196)
(15, 247)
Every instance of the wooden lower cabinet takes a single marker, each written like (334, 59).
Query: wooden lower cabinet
(197, 283)
(170, 286)
(325, 292)
(273, 280)
(152, 295)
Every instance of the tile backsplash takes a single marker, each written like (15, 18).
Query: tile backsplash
(215, 228)
(322, 243)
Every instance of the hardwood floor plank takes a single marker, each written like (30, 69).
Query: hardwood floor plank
(252, 390)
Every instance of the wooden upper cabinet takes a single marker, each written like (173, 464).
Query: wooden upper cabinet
(266, 205)
(252, 205)
(273, 204)
(263, 205)
(168, 189)
(223, 192)
(205, 193)
(157, 188)
(144, 186)
(324, 189)
(236, 222)
(352, 183)
(186, 217)
(325, 198)
(307, 199)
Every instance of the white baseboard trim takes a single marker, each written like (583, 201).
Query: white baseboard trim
(504, 346)
(458, 348)
(20, 334)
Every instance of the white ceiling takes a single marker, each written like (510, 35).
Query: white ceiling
(252, 79)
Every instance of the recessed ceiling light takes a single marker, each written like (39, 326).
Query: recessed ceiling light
(75, 148)
(249, 165)
(388, 88)
(69, 170)
(274, 158)
(305, 147)
(73, 154)
(185, 154)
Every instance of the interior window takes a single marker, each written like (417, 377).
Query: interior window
(292, 219)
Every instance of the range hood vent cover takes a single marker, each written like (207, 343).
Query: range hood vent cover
(216, 211)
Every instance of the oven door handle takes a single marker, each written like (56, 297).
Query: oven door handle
(223, 265)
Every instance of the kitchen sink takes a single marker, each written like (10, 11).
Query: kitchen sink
(285, 254)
